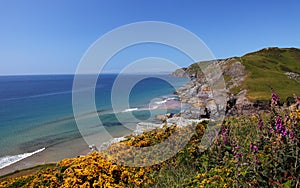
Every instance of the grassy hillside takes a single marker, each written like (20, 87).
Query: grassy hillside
(267, 67)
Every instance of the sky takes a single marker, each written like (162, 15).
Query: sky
(51, 37)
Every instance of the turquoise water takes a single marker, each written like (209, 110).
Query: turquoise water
(36, 111)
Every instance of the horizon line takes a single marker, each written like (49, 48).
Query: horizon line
(65, 74)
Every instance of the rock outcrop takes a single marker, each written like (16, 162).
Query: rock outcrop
(248, 81)
(216, 91)
(292, 75)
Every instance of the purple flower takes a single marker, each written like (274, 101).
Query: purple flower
(279, 126)
(224, 131)
(255, 148)
(238, 147)
(224, 135)
(275, 99)
(283, 132)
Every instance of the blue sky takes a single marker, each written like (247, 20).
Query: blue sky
(50, 37)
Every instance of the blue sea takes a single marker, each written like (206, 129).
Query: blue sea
(36, 111)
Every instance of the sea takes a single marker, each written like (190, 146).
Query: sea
(36, 111)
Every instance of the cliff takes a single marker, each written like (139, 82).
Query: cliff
(248, 81)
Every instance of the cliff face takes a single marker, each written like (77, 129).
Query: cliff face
(248, 80)
(198, 92)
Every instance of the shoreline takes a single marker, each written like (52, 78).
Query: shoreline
(50, 155)
(45, 158)
(69, 149)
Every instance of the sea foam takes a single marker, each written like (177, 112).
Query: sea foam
(130, 109)
(8, 160)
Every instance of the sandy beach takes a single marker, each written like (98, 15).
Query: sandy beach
(53, 154)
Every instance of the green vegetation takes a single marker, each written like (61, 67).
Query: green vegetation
(266, 69)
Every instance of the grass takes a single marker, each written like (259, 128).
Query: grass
(173, 175)
(266, 68)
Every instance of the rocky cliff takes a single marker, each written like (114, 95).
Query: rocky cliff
(247, 82)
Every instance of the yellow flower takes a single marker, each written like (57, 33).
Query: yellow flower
(199, 176)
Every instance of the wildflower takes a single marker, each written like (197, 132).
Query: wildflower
(275, 99)
(298, 113)
(278, 123)
(260, 124)
(224, 130)
(224, 134)
(283, 133)
(279, 126)
(255, 148)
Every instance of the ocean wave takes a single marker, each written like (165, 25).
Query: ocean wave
(165, 100)
(161, 102)
(153, 106)
(8, 160)
(130, 109)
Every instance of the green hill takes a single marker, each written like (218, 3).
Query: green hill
(267, 67)
(264, 69)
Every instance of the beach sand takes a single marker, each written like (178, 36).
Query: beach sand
(53, 154)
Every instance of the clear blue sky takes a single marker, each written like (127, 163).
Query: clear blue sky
(47, 37)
